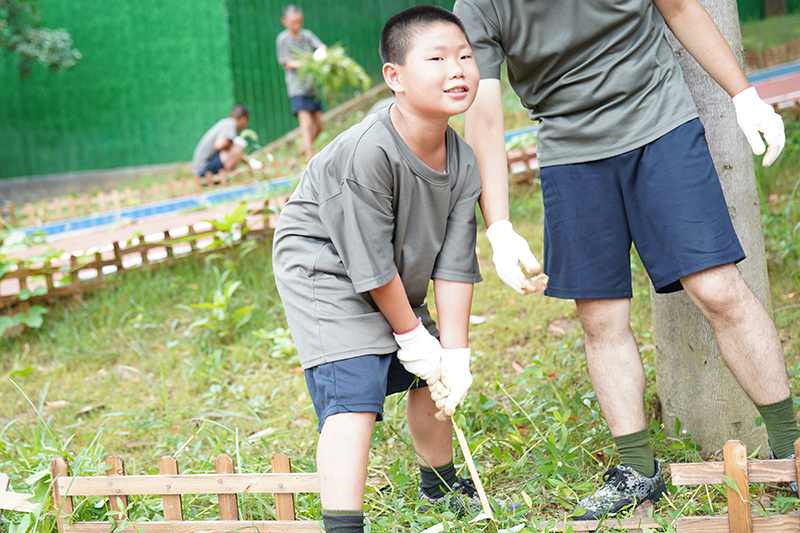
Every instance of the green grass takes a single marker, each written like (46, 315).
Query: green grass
(124, 373)
(770, 32)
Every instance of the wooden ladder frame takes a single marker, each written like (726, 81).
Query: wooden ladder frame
(171, 486)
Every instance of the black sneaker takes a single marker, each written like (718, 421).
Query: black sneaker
(623, 488)
(463, 500)
(792, 484)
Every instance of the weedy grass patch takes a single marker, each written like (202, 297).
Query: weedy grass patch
(129, 371)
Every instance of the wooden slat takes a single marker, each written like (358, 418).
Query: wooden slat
(12, 501)
(117, 503)
(228, 505)
(191, 484)
(591, 525)
(173, 508)
(787, 523)
(213, 526)
(711, 473)
(284, 503)
(735, 455)
(63, 503)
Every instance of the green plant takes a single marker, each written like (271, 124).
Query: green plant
(222, 317)
(334, 73)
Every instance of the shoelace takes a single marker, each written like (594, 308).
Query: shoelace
(465, 487)
(614, 477)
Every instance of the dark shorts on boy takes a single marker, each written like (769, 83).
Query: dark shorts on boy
(214, 165)
(357, 385)
(305, 103)
(664, 197)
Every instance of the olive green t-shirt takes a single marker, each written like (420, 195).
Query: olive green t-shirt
(599, 75)
(286, 47)
(366, 209)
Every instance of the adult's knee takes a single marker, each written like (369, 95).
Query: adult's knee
(719, 292)
(604, 318)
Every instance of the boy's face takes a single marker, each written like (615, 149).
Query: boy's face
(440, 76)
(293, 22)
(241, 123)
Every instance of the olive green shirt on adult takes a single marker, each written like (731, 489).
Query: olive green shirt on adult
(367, 208)
(599, 75)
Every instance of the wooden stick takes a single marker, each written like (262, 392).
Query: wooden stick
(462, 441)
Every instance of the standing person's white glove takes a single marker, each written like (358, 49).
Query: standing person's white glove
(255, 164)
(319, 54)
(455, 381)
(241, 142)
(756, 117)
(511, 250)
(420, 353)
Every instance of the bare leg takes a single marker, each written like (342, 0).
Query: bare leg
(433, 439)
(746, 336)
(307, 132)
(317, 123)
(614, 363)
(342, 458)
(230, 158)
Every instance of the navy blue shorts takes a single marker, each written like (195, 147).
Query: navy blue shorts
(664, 197)
(214, 165)
(305, 103)
(358, 385)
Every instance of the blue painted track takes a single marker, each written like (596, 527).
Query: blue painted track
(159, 209)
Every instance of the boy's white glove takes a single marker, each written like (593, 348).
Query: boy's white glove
(511, 250)
(255, 164)
(241, 142)
(754, 116)
(420, 353)
(319, 54)
(451, 390)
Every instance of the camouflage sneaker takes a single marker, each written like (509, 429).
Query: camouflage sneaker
(463, 500)
(623, 487)
(792, 484)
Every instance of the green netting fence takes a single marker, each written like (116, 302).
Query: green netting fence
(156, 74)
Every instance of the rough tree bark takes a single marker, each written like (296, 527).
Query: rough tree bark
(694, 385)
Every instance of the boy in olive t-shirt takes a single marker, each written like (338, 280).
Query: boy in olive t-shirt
(382, 210)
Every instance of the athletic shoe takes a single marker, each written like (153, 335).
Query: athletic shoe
(792, 484)
(623, 488)
(463, 500)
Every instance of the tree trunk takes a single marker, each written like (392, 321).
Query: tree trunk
(694, 385)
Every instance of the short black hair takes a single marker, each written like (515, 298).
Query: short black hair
(239, 110)
(291, 9)
(399, 31)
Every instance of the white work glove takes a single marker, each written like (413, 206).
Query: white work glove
(255, 164)
(511, 250)
(241, 142)
(754, 116)
(451, 389)
(319, 54)
(420, 353)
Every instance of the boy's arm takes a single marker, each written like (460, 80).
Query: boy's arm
(420, 353)
(392, 302)
(697, 32)
(453, 302)
(485, 133)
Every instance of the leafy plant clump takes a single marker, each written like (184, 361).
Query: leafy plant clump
(334, 73)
